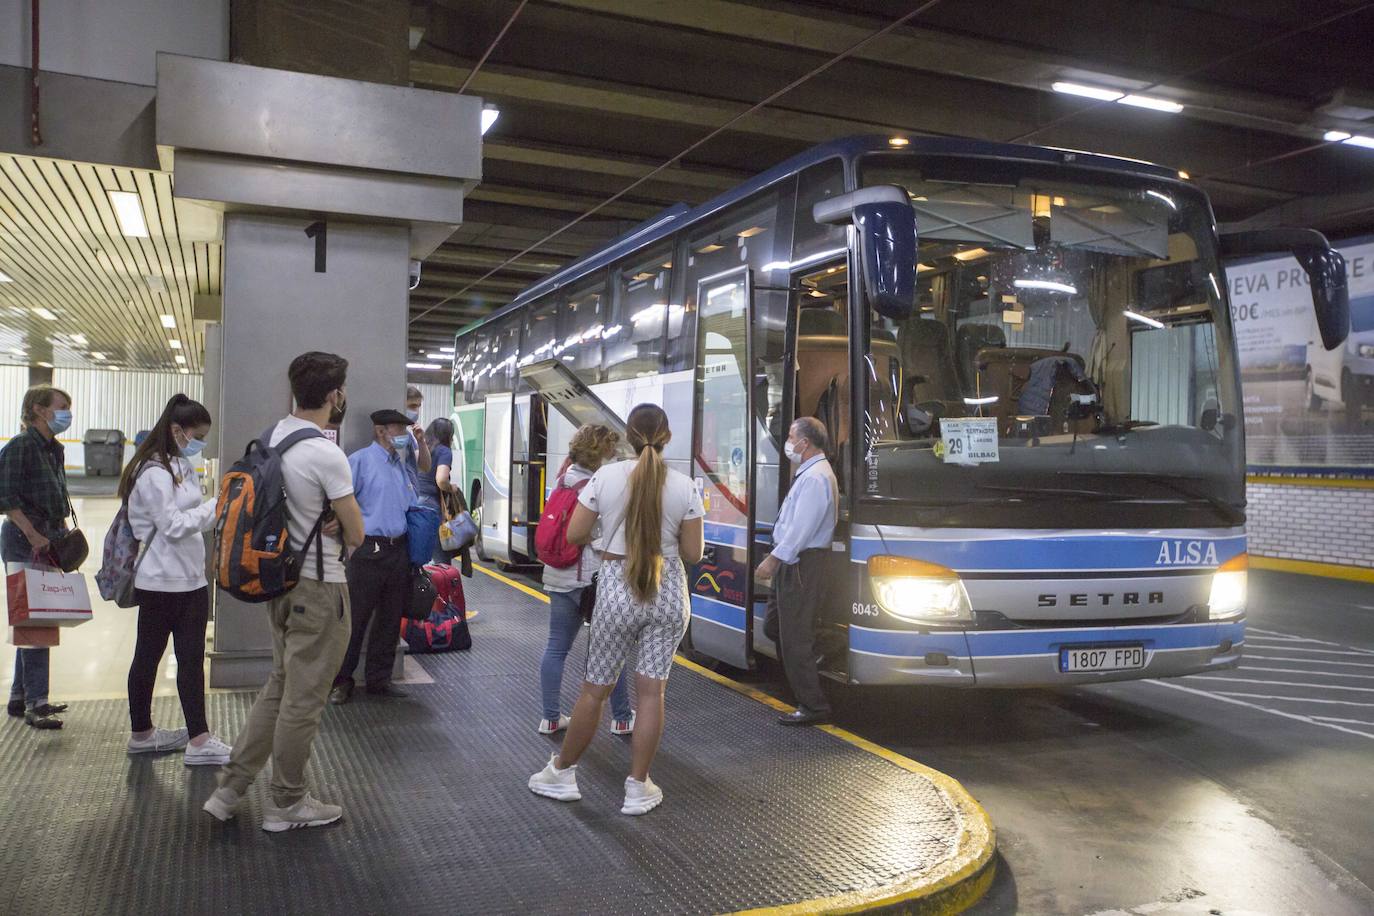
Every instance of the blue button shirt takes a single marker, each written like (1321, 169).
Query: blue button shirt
(385, 488)
(807, 518)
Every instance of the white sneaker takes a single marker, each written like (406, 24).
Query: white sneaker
(160, 740)
(624, 726)
(223, 803)
(308, 812)
(641, 797)
(553, 726)
(213, 752)
(552, 782)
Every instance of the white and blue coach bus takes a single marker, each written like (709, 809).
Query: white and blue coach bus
(1023, 356)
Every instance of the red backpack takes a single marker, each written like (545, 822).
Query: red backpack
(551, 537)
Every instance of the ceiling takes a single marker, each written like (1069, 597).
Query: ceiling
(595, 93)
(81, 293)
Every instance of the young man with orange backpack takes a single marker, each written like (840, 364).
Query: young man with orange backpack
(302, 579)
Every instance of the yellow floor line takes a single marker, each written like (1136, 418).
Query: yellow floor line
(952, 893)
(1310, 568)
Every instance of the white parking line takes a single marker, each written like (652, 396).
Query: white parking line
(1271, 696)
(1361, 653)
(1361, 677)
(1273, 712)
(1246, 680)
(1308, 661)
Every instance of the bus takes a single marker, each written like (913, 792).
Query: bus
(1025, 362)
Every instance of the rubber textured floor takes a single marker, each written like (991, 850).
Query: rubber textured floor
(437, 815)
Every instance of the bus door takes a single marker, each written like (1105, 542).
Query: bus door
(496, 481)
(529, 443)
(723, 457)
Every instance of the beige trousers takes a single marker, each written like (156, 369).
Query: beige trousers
(310, 629)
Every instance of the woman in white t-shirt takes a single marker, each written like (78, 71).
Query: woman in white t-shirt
(169, 517)
(651, 524)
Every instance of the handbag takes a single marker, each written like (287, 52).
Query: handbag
(70, 550)
(457, 530)
(586, 602)
(422, 596)
(422, 534)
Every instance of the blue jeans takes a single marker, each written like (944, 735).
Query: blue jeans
(564, 625)
(30, 665)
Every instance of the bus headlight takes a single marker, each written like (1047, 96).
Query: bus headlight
(919, 591)
(1367, 350)
(1228, 589)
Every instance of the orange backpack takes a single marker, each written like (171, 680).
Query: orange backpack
(253, 557)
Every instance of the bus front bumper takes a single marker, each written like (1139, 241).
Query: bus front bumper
(1033, 657)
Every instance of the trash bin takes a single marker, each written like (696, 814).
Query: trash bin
(104, 452)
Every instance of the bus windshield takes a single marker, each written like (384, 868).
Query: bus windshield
(1078, 312)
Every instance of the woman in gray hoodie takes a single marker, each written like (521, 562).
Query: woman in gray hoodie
(589, 448)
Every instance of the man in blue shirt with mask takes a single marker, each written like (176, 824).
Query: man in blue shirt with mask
(379, 570)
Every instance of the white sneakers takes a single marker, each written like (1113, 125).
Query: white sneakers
(160, 740)
(553, 726)
(624, 726)
(308, 812)
(223, 803)
(641, 797)
(552, 782)
(213, 752)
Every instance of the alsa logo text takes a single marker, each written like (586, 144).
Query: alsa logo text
(1187, 553)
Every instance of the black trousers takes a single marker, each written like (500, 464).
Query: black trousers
(799, 592)
(378, 586)
(183, 616)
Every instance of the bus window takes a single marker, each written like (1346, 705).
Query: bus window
(541, 332)
(479, 380)
(580, 323)
(505, 352)
(634, 337)
(822, 385)
(810, 238)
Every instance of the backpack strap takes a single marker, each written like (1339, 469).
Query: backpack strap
(291, 439)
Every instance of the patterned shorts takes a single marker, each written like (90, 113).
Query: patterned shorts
(620, 623)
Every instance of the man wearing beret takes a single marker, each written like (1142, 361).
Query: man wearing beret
(379, 570)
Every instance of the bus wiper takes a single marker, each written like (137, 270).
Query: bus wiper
(1172, 482)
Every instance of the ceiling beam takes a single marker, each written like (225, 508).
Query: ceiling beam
(558, 202)
(604, 163)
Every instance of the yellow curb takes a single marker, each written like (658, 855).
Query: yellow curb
(1345, 483)
(1310, 568)
(952, 888)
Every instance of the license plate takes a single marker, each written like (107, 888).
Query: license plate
(1102, 658)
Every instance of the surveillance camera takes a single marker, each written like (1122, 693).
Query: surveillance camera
(414, 274)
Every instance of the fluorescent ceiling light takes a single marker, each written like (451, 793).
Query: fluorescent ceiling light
(45, 365)
(972, 254)
(431, 367)
(978, 402)
(1335, 136)
(97, 356)
(114, 369)
(79, 339)
(44, 314)
(174, 344)
(5, 278)
(1143, 319)
(489, 116)
(446, 350)
(1152, 103)
(181, 359)
(1088, 92)
(129, 212)
(1051, 285)
(169, 321)
(184, 371)
(18, 351)
(1360, 140)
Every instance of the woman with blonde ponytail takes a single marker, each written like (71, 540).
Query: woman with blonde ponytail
(650, 525)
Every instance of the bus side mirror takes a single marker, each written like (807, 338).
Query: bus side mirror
(885, 225)
(1324, 266)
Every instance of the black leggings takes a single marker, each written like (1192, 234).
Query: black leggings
(183, 615)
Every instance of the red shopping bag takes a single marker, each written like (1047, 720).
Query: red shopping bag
(47, 598)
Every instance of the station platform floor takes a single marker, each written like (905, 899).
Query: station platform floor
(437, 814)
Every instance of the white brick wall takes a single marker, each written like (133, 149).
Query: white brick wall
(1315, 523)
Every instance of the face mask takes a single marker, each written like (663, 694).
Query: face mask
(413, 416)
(791, 453)
(61, 421)
(192, 448)
(336, 413)
(400, 442)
